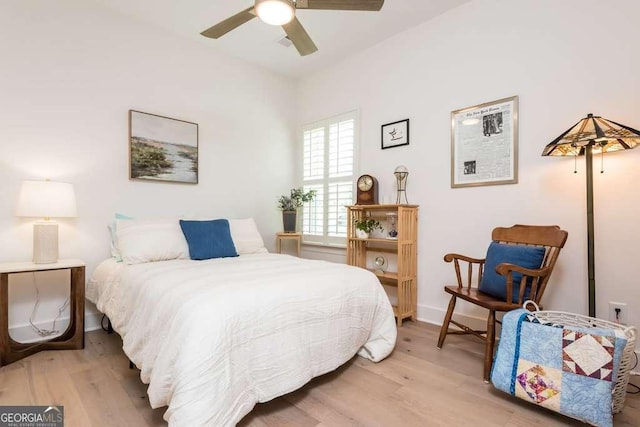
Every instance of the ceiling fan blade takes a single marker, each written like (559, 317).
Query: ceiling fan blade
(222, 28)
(299, 37)
(372, 5)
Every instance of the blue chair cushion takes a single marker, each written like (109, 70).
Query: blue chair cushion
(208, 239)
(495, 284)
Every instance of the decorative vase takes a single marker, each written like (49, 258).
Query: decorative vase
(361, 234)
(289, 221)
(392, 218)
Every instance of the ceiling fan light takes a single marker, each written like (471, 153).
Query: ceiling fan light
(275, 12)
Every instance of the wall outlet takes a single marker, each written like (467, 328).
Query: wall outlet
(618, 312)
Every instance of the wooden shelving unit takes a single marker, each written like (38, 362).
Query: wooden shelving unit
(406, 248)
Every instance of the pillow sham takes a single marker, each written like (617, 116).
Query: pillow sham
(115, 250)
(208, 239)
(146, 240)
(495, 284)
(246, 237)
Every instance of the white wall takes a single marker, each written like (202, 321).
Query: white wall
(70, 72)
(564, 60)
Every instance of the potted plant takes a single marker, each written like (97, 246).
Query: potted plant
(289, 206)
(365, 226)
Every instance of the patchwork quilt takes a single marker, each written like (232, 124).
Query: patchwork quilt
(570, 370)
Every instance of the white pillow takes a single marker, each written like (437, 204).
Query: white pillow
(149, 240)
(246, 237)
(115, 250)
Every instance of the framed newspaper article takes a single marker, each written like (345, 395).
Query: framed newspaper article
(484, 144)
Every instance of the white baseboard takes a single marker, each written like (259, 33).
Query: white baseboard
(435, 315)
(92, 321)
(25, 333)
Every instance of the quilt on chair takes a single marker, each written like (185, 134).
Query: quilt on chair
(570, 370)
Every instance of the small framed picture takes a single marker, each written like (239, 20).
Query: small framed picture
(395, 134)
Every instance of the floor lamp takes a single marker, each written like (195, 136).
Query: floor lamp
(592, 135)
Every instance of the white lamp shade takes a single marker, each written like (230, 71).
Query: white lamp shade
(275, 12)
(46, 199)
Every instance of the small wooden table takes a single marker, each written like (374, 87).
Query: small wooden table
(283, 236)
(72, 338)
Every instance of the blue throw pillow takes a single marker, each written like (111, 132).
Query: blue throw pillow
(208, 239)
(495, 284)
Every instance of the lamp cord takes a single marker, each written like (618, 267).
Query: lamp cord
(39, 331)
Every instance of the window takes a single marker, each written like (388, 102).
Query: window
(329, 157)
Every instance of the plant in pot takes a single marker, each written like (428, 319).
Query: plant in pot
(289, 206)
(365, 226)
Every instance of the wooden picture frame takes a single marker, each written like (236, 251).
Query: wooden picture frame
(162, 148)
(395, 134)
(484, 144)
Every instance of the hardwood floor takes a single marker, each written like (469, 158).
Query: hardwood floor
(418, 385)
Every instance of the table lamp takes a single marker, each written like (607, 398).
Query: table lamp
(46, 199)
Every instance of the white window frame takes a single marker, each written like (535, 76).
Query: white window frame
(325, 239)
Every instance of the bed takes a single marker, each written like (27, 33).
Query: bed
(214, 337)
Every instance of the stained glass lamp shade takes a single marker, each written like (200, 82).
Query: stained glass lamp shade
(593, 131)
(592, 135)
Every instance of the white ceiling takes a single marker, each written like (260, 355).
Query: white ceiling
(337, 34)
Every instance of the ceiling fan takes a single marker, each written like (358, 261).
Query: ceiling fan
(282, 12)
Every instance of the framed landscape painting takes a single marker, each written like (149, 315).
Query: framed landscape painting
(162, 148)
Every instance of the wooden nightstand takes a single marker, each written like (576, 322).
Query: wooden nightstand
(72, 338)
(284, 236)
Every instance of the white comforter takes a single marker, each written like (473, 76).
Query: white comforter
(213, 338)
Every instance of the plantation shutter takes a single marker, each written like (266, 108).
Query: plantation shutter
(329, 154)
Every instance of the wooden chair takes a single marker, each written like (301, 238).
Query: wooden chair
(551, 238)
